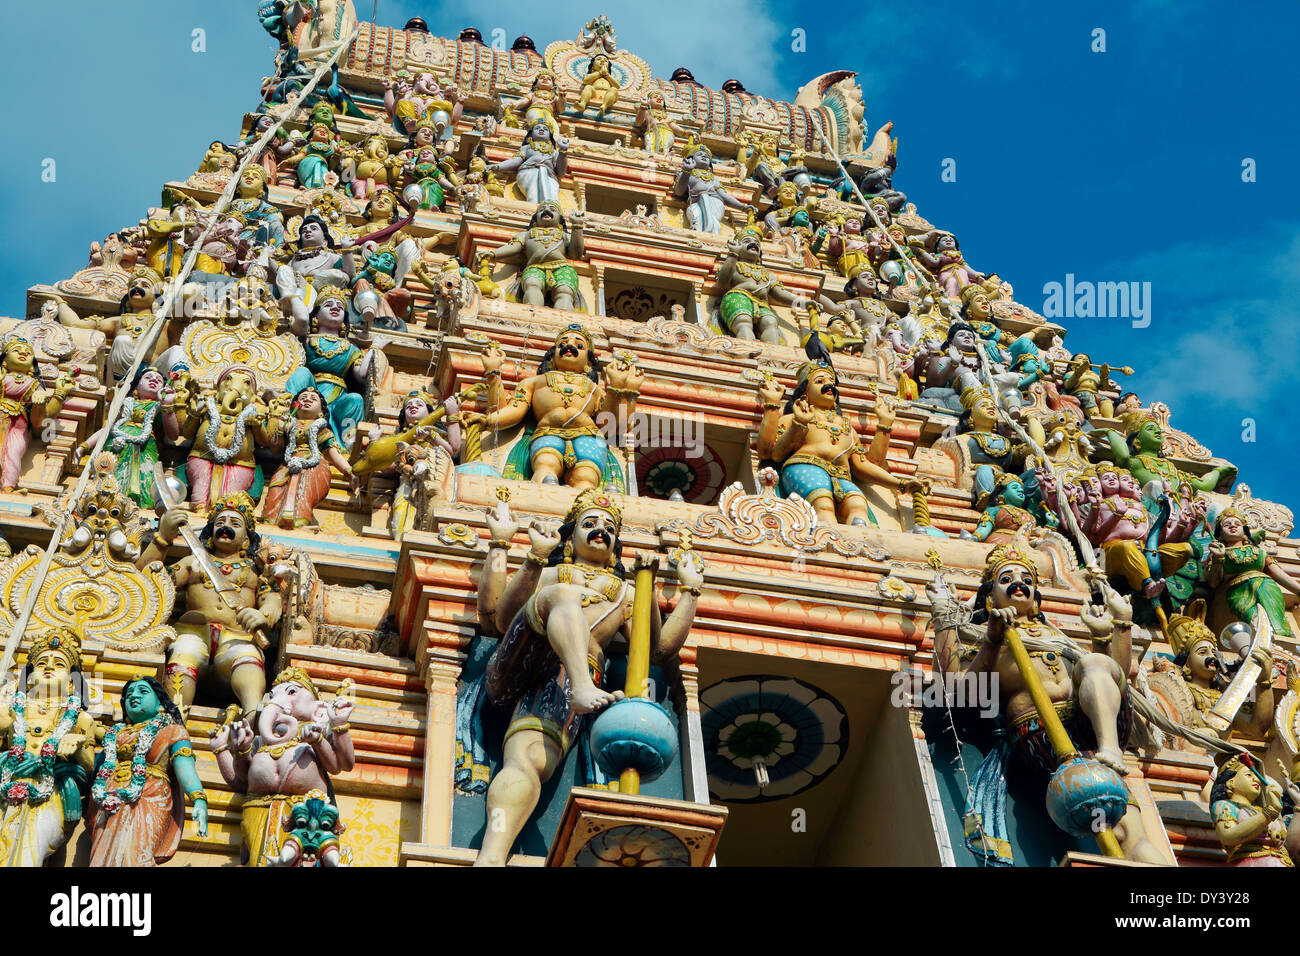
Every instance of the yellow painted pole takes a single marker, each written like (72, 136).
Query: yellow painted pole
(1062, 746)
(638, 658)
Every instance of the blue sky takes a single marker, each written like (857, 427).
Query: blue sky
(1116, 166)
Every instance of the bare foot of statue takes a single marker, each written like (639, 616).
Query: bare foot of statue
(1113, 759)
(1153, 587)
(588, 699)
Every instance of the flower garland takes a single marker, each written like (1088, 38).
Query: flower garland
(224, 456)
(23, 791)
(112, 802)
(294, 462)
(120, 438)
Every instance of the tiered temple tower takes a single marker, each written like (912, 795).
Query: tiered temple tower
(802, 723)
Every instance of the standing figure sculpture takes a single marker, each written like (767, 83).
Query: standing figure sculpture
(818, 450)
(145, 774)
(565, 445)
(698, 186)
(230, 600)
(658, 131)
(25, 406)
(49, 741)
(558, 613)
(548, 247)
(543, 102)
(308, 449)
(539, 164)
(133, 438)
(300, 742)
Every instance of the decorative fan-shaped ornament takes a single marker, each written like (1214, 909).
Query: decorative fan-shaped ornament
(695, 471)
(789, 730)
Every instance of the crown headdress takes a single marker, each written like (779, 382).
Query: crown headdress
(593, 498)
(578, 328)
(63, 639)
(973, 394)
(1186, 632)
(237, 501)
(1132, 421)
(1013, 552)
(298, 676)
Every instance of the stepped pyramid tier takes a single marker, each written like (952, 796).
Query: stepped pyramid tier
(515, 458)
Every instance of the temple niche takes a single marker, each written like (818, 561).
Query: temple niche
(531, 460)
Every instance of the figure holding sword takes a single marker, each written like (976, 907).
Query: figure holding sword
(231, 597)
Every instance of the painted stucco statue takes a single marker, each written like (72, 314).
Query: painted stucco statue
(1141, 451)
(25, 405)
(1005, 516)
(1087, 383)
(1091, 694)
(658, 131)
(313, 263)
(415, 459)
(49, 741)
(1205, 675)
(844, 241)
(818, 450)
(1112, 513)
(334, 366)
(418, 98)
(144, 775)
(225, 424)
(545, 100)
(539, 164)
(133, 438)
(376, 168)
(745, 308)
(430, 177)
(232, 601)
(1248, 813)
(985, 453)
(790, 215)
(319, 156)
(939, 252)
(300, 741)
(548, 248)
(599, 85)
(1249, 579)
(862, 303)
(952, 369)
(564, 445)
(558, 613)
(704, 196)
(307, 450)
(877, 182)
(263, 221)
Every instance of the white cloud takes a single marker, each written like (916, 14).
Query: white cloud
(1224, 334)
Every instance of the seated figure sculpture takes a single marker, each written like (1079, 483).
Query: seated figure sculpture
(564, 446)
(819, 451)
(231, 599)
(1091, 697)
(558, 613)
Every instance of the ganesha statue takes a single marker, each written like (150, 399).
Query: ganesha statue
(300, 741)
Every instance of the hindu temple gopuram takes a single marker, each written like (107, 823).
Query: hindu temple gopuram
(510, 457)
